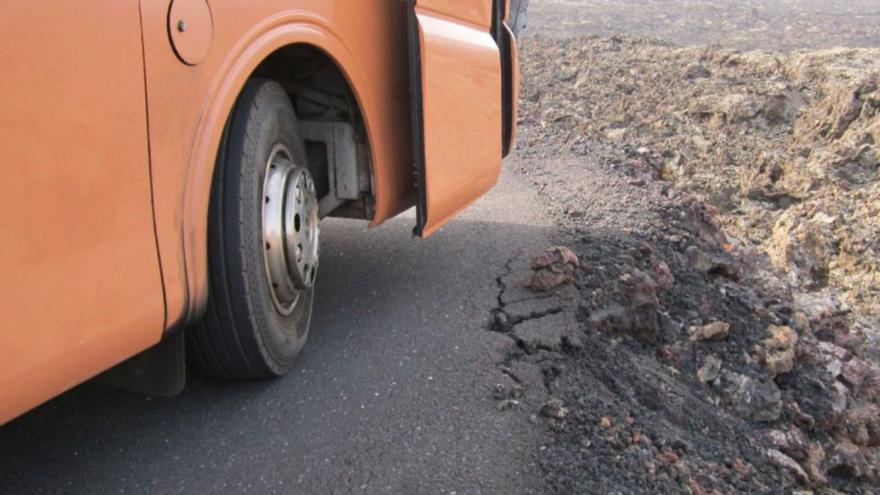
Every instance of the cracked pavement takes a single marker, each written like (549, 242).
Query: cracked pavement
(537, 326)
(394, 392)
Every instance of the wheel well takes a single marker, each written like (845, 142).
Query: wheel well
(322, 97)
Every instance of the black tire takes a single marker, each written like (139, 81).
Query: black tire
(242, 335)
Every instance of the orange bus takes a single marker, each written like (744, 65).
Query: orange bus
(166, 165)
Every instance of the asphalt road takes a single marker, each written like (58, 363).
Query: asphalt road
(391, 395)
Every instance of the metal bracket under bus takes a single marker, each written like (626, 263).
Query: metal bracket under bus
(348, 176)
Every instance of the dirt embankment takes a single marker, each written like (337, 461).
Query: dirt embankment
(719, 331)
(786, 148)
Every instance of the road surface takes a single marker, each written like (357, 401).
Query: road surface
(393, 393)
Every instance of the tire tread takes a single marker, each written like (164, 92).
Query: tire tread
(223, 342)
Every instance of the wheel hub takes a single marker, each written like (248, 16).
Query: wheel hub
(290, 229)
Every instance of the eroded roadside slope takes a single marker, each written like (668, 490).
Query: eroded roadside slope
(692, 353)
(784, 147)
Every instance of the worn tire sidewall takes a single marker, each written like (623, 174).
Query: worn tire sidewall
(264, 117)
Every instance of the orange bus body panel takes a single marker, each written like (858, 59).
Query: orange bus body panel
(189, 106)
(81, 286)
(461, 105)
(112, 118)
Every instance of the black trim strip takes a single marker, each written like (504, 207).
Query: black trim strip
(504, 41)
(418, 120)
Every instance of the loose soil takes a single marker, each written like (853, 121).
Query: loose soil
(711, 325)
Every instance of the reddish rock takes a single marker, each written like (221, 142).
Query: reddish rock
(854, 372)
(669, 457)
(664, 354)
(743, 468)
(553, 268)
(554, 256)
(546, 280)
(662, 274)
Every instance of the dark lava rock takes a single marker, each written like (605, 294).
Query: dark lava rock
(753, 399)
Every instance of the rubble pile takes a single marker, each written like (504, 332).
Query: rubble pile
(786, 148)
(662, 375)
(713, 326)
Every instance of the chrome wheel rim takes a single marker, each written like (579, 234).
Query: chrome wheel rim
(291, 232)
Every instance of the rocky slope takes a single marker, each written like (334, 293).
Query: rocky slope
(712, 326)
(785, 147)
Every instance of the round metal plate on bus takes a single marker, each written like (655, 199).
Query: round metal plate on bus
(191, 28)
